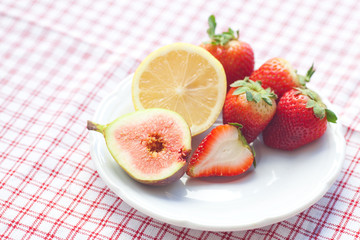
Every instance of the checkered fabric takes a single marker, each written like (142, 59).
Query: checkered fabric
(59, 59)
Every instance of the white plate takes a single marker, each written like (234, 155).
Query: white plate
(282, 185)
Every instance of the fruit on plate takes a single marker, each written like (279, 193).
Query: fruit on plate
(236, 56)
(152, 145)
(223, 152)
(278, 74)
(250, 105)
(183, 78)
(301, 117)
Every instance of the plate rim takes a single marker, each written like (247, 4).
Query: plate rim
(314, 195)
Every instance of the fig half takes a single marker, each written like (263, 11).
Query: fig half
(152, 145)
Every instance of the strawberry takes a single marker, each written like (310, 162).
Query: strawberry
(237, 57)
(223, 152)
(279, 75)
(301, 117)
(250, 105)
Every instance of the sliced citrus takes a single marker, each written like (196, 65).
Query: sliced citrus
(184, 78)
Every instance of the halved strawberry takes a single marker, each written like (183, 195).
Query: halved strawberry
(223, 152)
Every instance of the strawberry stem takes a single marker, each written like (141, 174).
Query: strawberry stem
(212, 26)
(220, 39)
(305, 79)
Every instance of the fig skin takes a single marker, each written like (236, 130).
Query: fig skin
(179, 159)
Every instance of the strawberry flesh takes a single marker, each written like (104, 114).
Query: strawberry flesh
(223, 152)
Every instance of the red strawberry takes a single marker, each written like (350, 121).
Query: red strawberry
(250, 105)
(301, 117)
(223, 152)
(237, 57)
(279, 75)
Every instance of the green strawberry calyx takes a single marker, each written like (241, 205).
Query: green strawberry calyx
(315, 102)
(237, 125)
(254, 91)
(223, 38)
(304, 79)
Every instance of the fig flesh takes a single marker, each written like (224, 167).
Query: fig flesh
(152, 145)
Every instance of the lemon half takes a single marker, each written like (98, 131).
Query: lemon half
(183, 78)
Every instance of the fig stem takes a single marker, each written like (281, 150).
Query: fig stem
(95, 127)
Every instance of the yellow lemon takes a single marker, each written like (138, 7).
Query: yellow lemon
(184, 78)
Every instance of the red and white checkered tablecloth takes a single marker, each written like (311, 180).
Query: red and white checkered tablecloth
(59, 59)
